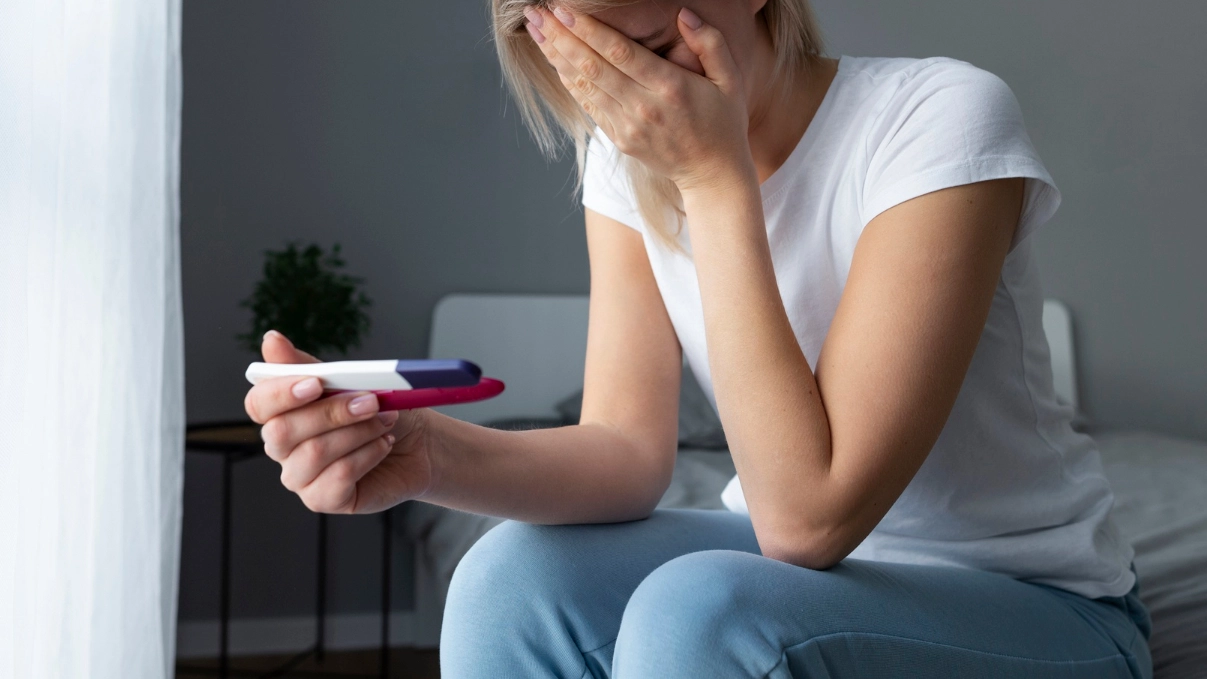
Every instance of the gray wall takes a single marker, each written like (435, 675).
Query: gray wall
(382, 125)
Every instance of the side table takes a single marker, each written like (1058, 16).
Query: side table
(240, 441)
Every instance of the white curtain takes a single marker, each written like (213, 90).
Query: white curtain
(91, 376)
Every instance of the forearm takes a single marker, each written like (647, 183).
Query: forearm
(576, 474)
(765, 389)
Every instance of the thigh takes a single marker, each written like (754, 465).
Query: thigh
(733, 614)
(547, 600)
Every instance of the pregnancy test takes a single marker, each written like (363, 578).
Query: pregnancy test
(427, 398)
(388, 375)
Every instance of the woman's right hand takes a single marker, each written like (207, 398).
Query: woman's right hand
(338, 454)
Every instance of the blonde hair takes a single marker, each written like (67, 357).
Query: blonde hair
(553, 116)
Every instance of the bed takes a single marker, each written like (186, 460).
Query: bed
(535, 343)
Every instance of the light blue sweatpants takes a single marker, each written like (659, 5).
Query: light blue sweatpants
(686, 594)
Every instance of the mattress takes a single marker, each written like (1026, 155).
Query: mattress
(1160, 486)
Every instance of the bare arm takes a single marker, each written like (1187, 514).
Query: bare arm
(616, 464)
(824, 454)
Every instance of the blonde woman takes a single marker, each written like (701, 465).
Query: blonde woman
(840, 248)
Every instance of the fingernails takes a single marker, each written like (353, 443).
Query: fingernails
(307, 388)
(536, 35)
(274, 334)
(388, 418)
(362, 404)
(534, 17)
(563, 16)
(690, 19)
(390, 440)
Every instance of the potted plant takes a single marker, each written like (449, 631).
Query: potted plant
(305, 294)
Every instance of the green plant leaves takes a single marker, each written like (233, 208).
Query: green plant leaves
(305, 294)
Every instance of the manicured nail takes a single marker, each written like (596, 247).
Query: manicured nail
(307, 388)
(536, 35)
(388, 418)
(362, 404)
(690, 18)
(534, 17)
(390, 440)
(563, 16)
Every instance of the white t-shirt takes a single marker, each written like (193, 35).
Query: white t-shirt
(1009, 487)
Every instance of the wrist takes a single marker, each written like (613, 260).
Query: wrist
(427, 442)
(729, 200)
(720, 182)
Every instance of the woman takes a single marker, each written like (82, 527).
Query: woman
(840, 249)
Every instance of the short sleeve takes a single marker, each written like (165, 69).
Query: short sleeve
(950, 124)
(606, 187)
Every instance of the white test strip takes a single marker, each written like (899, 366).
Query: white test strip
(347, 375)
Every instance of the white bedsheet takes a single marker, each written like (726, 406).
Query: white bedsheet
(1160, 488)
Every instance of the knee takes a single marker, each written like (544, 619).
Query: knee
(684, 609)
(511, 566)
(512, 601)
(516, 580)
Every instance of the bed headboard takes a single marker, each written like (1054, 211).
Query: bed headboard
(1058, 326)
(536, 345)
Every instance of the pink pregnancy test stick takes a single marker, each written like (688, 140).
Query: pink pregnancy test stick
(410, 399)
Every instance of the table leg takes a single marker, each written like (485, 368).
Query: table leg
(225, 593)
(386, 545)
(321, 594)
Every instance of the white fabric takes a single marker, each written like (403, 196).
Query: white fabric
(1161, 486)
(1009, 486)
(91, 408)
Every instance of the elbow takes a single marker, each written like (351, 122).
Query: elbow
(649, 497)
(805, 556)
(812, 548)
(816, 535)
(640, 506)
(654, 480)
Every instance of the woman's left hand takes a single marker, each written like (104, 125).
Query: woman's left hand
(689, 128)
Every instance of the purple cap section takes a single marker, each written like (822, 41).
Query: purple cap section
(432, 374)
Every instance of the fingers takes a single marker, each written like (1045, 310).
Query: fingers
(308, 460)
(291, 428)
(601, 119)
(592, 74)
(335, 489)
(270, 398)
(595, 38)
(710, 47)
(273, 397)
(594, 100)
(278, 349)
